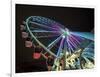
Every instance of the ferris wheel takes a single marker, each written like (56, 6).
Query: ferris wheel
(55, 39)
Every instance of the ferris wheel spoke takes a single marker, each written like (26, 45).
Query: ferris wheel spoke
(60, 47)
(47, 36)
(65, 45)
(54, 42)
(41, 25)
(73, 42)
(86, 35)
(45, 31)
(75, 39)
(70, 45)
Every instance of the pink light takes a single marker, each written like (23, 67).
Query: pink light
(22, 27)
(28, 44)
(24, 35)
(36, 55)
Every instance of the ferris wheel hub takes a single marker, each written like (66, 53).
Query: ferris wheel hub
(65, 33)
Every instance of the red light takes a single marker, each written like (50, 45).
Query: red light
(46, 55)
(36, 55)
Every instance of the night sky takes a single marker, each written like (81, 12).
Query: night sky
(75, 19)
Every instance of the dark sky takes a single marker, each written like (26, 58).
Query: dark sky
(76, 19)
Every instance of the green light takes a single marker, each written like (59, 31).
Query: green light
(66, 32)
